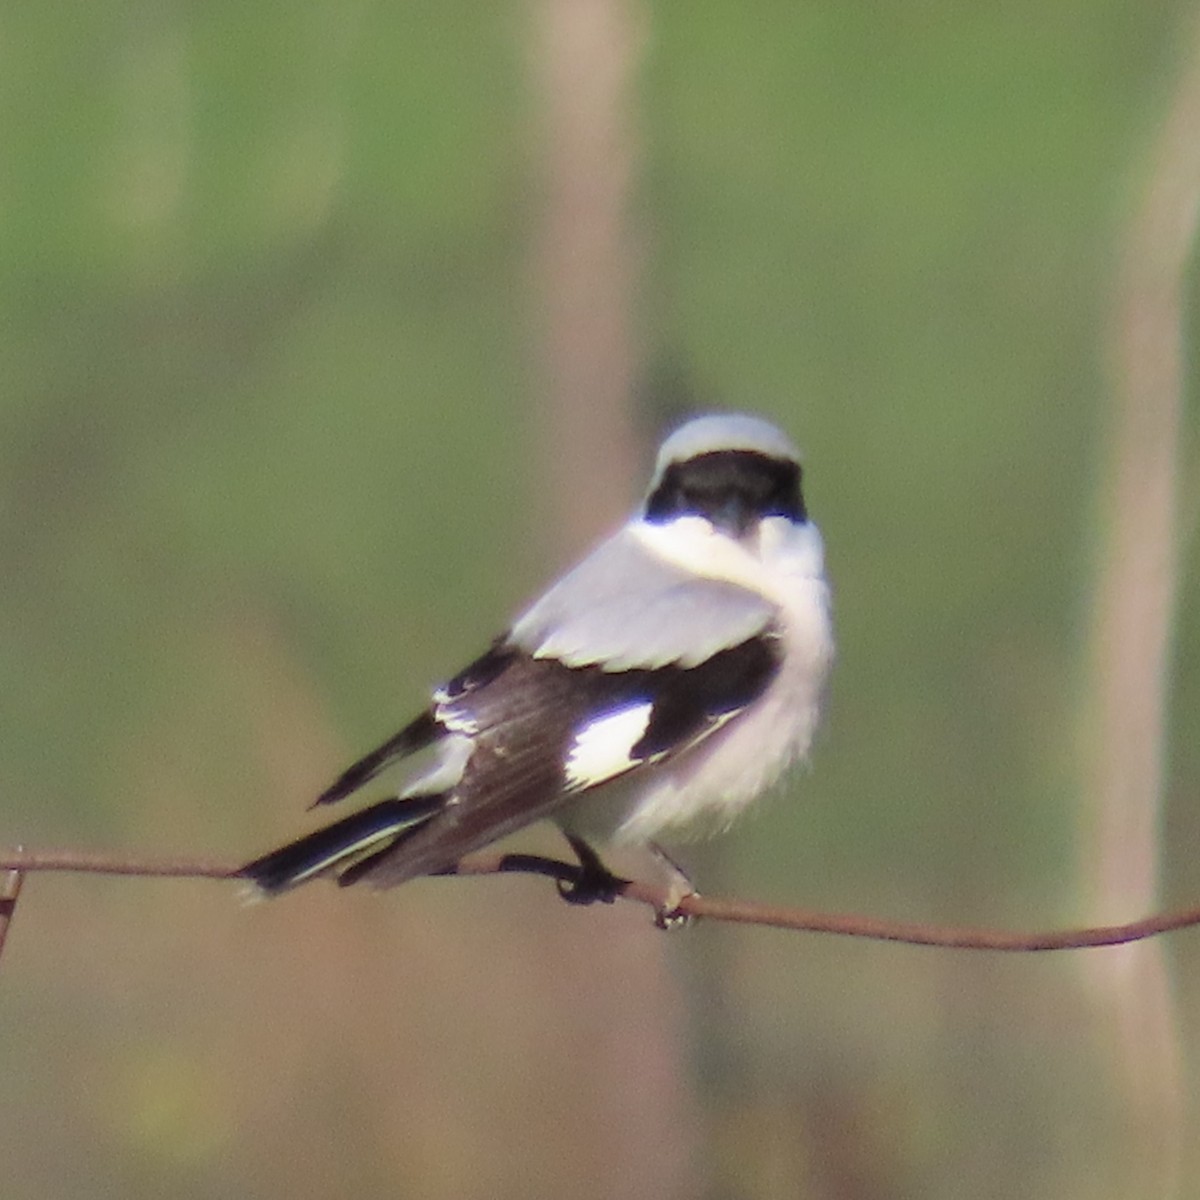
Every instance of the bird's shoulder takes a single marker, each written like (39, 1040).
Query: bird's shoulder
(626, 606)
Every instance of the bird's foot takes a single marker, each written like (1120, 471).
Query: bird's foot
(670, 914)
(669, 919)
(594, 883)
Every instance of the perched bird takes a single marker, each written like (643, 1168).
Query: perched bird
(654, 690)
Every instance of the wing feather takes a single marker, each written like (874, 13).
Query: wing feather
(529, 715)
(538, 717)
(625, 607)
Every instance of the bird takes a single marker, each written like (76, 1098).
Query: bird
(650, 694)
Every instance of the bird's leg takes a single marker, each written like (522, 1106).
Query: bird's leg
(679, 886)
(595, 882)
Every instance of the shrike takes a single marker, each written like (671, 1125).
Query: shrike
(654, 690)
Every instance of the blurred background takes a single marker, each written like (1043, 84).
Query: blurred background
(328, 332)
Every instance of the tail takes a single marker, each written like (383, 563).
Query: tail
(416, 735)
(340, 847)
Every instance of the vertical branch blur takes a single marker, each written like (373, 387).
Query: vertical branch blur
(625, 1015)
(586, 51)
(1131, 645)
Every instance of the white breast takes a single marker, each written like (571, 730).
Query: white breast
(703, 790)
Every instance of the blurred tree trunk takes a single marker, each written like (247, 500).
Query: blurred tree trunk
(585, 54)
(1131, 642)
(608, 1000)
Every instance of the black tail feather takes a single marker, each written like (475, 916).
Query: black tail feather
(416, 735)
(337, 847)
(365, 865)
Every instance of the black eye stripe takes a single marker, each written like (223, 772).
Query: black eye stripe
(709, 483)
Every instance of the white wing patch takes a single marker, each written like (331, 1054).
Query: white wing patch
(445, 773)
(603, 748)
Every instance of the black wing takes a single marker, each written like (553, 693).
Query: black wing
(526, 714)
(523, 716)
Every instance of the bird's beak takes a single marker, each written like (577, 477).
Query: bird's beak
(735, 516)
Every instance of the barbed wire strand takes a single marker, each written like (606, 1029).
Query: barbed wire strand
(20, 862)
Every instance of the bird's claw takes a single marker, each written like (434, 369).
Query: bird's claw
(590, 887)
(669, 918)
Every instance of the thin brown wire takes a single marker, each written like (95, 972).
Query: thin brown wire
(745, 912)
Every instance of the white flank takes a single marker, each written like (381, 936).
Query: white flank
(446, 772)
(603, 748)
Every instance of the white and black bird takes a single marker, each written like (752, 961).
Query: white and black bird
(654, 690)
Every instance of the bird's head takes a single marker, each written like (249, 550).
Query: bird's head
(732, 469)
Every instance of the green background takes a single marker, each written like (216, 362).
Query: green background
(269, 333)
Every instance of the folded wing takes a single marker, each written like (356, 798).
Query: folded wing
(625, 663)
